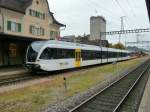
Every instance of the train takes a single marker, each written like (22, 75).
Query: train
(56, 55)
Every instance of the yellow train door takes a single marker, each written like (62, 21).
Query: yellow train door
(78, 57)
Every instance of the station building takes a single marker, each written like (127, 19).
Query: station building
(21, 22)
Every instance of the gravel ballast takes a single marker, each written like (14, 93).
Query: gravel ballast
(70, 103)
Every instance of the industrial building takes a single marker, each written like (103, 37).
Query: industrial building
(97, 25)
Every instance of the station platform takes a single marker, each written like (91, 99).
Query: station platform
(7, 71)
(145, 103)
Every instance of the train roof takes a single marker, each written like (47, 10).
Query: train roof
(70, 45)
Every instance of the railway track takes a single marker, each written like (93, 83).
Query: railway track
(11, 79)
(16, 78)
(111, 98)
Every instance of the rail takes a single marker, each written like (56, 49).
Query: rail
(111, 97)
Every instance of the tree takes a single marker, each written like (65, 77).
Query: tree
(119, 46)
(110, 45)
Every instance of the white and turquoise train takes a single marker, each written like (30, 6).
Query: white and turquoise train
(58, 55)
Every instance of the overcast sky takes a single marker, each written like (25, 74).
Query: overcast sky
(76, 15)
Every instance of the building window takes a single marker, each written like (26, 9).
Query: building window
(36, 14)
(37, 2)
(39, 31)
(13, 26)
(53, 34)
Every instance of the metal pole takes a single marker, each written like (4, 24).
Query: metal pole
(122, 27)
(65, 83)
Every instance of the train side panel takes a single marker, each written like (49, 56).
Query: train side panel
(59, 64)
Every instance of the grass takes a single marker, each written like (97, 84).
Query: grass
(36, 97)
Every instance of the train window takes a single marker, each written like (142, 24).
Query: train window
(63, 53)
(90, 55)
(53, 53)
(66, 53)
(45, 54)
(57, 53)
(32, 54)
(109, 54)
(104, 54)
(114, 54)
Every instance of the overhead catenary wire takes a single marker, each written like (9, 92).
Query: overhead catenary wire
(131, 8)
(97, 7)
(123, 11)
(106, 10)
(95, 4)
(133, 12)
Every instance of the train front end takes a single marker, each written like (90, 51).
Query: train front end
(32, 56)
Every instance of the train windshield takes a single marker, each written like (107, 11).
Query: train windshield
(33, 50)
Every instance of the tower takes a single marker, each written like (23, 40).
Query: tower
(97, 25)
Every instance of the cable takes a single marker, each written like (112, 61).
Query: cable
(103, 8)
(112, 19)
(98, 5)
(131, 8)
(132, 21)
(120, 7)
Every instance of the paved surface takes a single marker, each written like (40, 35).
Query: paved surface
(145, 103)
(12, 71)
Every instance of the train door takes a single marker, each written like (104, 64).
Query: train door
(78, 57)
